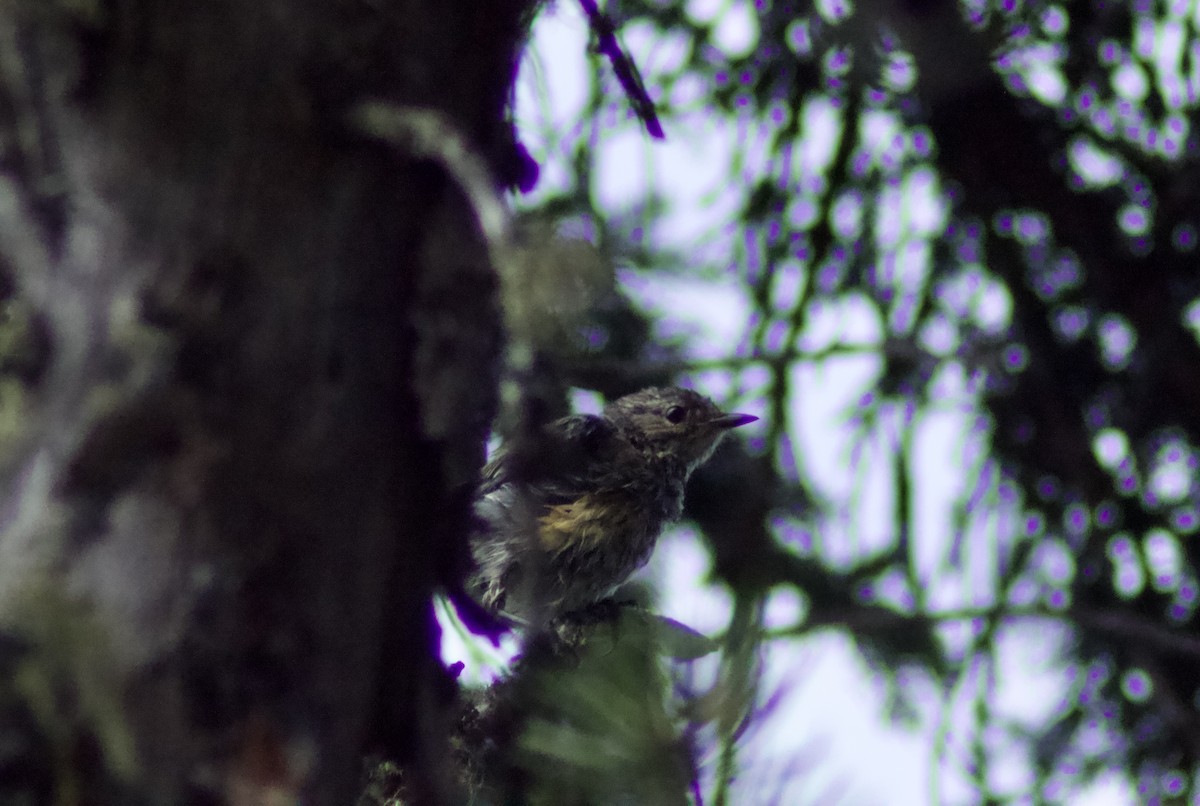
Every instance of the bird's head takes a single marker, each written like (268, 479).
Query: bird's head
(669, 421)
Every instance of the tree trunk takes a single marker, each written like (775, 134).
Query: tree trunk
(258, 358)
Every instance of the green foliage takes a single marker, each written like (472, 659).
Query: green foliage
(601, 732)
(59, 697)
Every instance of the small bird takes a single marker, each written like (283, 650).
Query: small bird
(565, 519)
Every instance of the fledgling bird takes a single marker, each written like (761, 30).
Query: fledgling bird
(562, 524)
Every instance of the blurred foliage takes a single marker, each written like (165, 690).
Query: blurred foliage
(63, 735)
(597, 714)
(988, 210)
(24, 349)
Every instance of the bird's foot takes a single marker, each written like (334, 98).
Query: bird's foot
(581, 626)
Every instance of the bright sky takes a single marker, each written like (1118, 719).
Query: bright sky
(830, 729)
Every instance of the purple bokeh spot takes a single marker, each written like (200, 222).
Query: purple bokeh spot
(1071, 322)
(1016, 357)
(1184, 237)
(596, 337)
(1185, 519)
(1137, 685)
(1077, 519)
(1031, 228)
(776, 336)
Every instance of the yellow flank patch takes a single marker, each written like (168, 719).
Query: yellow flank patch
(586, 522)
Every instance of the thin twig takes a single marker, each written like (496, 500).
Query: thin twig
(623, 66)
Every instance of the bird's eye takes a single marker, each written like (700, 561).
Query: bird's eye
(676, 414)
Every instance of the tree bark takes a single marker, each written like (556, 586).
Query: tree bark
(264, 358)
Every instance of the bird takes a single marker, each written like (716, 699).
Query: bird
(566, 515)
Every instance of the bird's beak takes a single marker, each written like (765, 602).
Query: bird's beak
(732, 420)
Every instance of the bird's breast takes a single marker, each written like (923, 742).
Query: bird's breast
(594, 520)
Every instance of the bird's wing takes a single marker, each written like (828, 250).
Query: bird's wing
(567, 460)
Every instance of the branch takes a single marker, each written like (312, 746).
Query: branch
(1114, 623)
(623, 66)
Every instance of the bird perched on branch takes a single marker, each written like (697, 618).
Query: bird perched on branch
(567, 514)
